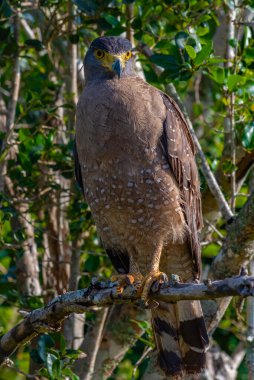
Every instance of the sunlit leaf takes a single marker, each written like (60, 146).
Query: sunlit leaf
(191, 51)
(52, 369)
(234, 80)
(248, 136)
(203, 54)
(217, 73)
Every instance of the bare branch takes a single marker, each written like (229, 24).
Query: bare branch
(29, 31)
(118, 340)
(129, 19)
(11, 109)
(91, 345)
(238, 247)
(238, 355)
(104, 294)
(27, 265)
(15, 78)
(237, 251)
(142, 357)
(229, 122)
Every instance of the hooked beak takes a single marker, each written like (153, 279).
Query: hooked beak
(117, 66)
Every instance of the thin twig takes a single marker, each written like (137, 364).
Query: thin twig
(129, 18)
(15, 78)
(29, 31)
(238, 354)
(142, 357)
(13, 98)
(214, 228)
(229, 125)
(91, 345)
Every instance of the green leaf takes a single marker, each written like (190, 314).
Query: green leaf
(74, 38)
(202, 30)
(36, 44)
(115, 31)
(73, 354)
(204, 53)
(197, 109)
(50, 360)
(191, 51)
(92, 263)
(145, 341)
(210, 250)
(141, 324)
(5, 9)
(44, 342)
(62, 344)
(248, 136)
(214, 60)
(181, 39)
(34, 302)
(87, 6)
(110, 19)
(162, 44)
(71, 375)
(168, 62)
(217, 74)
(234, 80)
(228, 167)
(56, 369)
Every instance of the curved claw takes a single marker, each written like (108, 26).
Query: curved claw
(153, 281)
(126, 280)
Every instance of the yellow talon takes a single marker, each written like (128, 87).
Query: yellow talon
(123, 281)
(158, 277)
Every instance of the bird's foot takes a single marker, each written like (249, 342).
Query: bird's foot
(153, 281)
(126, 280)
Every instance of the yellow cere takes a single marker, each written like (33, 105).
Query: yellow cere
(108, 59)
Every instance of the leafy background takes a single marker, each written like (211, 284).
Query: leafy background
(42, 209)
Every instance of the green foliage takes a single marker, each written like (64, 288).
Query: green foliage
(248, 136)
(182, 36)
(57, 363)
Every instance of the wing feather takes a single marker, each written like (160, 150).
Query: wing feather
(179, 148)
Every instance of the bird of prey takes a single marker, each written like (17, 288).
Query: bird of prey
(135, 161)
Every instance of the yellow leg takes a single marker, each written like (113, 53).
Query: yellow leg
(155, 280)
(126, 280)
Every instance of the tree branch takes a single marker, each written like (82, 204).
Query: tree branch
(91, 345)
(13, 99)
(103, 294)
(118, 340)
(15, 78)
(238, 247)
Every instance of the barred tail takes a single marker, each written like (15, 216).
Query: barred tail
(181, 337)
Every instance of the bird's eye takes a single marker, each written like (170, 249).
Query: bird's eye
(99, 54)
(128, 55)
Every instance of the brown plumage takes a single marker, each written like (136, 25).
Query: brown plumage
(135, 162)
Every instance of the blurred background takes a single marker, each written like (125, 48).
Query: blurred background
(48, 244)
